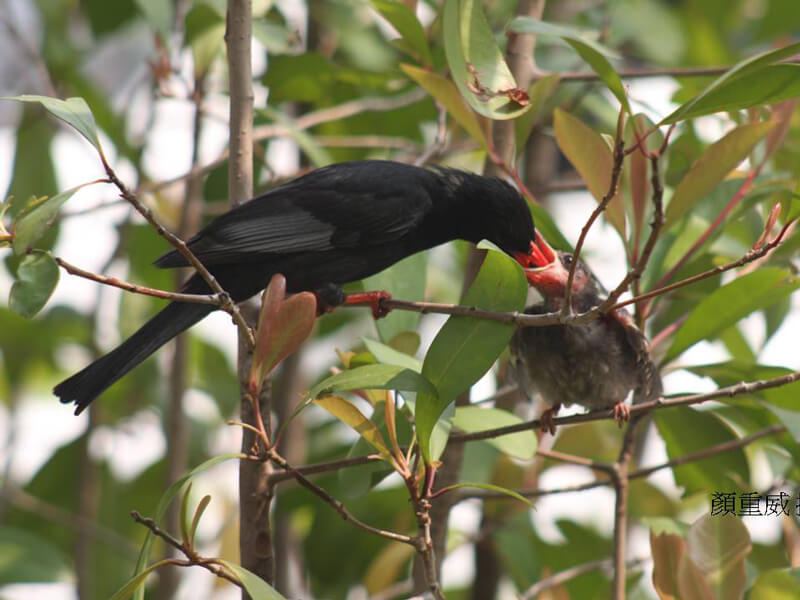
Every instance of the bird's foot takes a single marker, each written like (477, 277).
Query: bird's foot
(374, 299)
(547, 420)
(622, 413)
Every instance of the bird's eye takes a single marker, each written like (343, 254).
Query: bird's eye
(567, 260)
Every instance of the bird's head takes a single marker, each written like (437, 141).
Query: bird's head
(548, 271)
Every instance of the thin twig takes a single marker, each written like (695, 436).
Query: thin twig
(570, 574)
(596, 415)
(621, 479)
(138, 289)
(638, 473)
(616, 171)
(227, 303)
(194, 559)
(575, 460)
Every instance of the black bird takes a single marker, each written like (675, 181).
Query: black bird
(595, 364)
(335, 225)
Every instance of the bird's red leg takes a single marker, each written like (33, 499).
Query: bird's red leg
(547, 420)
(622, 413)
(373, 299)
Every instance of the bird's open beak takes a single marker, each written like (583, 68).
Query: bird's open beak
(539, 255)
(543, 267)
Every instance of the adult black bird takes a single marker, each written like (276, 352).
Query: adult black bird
(596, 364)
(335, 225)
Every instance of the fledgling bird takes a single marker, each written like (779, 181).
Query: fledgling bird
(596, 364)
(335, 225)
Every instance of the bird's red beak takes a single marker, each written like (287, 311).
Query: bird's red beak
(539, 255)
(545, 272)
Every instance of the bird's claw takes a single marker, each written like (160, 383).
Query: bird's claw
(622, 413)
(547, 420)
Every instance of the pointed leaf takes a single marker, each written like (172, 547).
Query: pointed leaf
(446, 93)
(593, 160)
(730, 303)
(465, 348)
(713, 165)
(253, 584)
(73, 111)
(477, 64)
(283, 326)
(546, 29)
(35, 222)
(184, 516)
(718, 546)
(135, 582)
(474, 418)
(491, 488)
(747, 67)
(198, 514)
(389, 356)
(37, 276)
(775, 84)
(374, 377)
(405, 21)
(348, 413)
(692, 584)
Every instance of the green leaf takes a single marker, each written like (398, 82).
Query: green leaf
(28, 558)
(776, 584)
(374, 377)
(253, 584)
(590, 51)
(476, 63)
(747, 67)
(389, 356)
(593, 159)
(37, 276)
(545, 29)
(184, 516)
(712, 167)
(198, 514)
(161, 510)
(405, 21)
(730, 303)
(446, 93)
(134, 583)
(348, 413)
(491, 488)
(686, 430)
(159, 13)
(465, 348)
(774, 84)
(73, 111)
(473, 418)
(34, 224)
(405, 279)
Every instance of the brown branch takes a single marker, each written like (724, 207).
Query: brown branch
(325, 467)
(752, 255)
(570, 574)
(575, 460)
(194, 559)
(226, 303)
(616, 171)
(638, 473)
(636, 409)
(337, 505)
(138, 289)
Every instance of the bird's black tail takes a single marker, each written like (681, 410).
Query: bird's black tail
(86, 385)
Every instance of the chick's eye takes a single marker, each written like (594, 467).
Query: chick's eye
(567, 260)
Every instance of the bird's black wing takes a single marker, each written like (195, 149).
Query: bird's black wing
(310, 216)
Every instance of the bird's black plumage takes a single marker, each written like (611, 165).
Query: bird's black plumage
(337, 224)
(595, 364)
